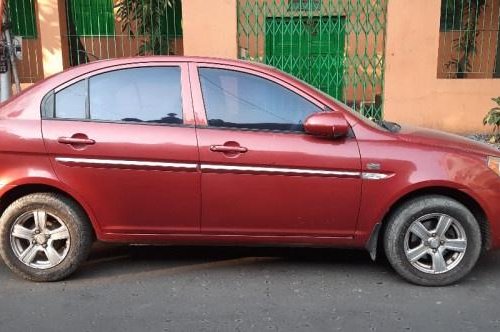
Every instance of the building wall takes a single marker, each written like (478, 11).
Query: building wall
(362, 42)
(413, 92)
(482, 59)
(116, 45)
(209, 28)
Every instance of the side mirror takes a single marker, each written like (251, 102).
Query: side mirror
(327, 124)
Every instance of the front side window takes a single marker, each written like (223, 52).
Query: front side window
(141, 95)
(240, 100)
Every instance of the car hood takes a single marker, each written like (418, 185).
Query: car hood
(441, 139)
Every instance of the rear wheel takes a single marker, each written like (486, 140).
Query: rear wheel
(432, 241)
(44, 237)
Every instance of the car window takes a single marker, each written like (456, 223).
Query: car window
(240, 100)
(137, 95)
(144, 95)
(70, 103)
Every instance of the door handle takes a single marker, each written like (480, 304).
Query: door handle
(228, 149)
(76, 141)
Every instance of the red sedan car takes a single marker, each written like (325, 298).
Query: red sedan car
(173, 150)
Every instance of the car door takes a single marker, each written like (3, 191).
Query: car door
(261, 174)
(124, 139)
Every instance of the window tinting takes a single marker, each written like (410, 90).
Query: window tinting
(151, 95)
(70, 102)
(239, 100)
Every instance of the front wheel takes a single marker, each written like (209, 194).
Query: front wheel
(44, 237)
(432, 241)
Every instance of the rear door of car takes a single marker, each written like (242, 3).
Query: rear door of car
(124, 139)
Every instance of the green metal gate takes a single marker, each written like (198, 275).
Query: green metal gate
(310, 48)
(335, 45)
(103, 29)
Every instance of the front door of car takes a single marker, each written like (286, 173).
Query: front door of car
(261, 174)
(124, 139)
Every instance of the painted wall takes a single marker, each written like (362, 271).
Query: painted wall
(49, 32)
(413, 93)
(209, 28)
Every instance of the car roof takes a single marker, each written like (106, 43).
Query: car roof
(101, 64)
(74, 72)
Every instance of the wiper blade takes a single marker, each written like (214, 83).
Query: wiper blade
(391, 126)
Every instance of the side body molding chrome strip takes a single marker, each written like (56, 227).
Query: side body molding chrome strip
(125, 163)
(280, 170)
(220, 168)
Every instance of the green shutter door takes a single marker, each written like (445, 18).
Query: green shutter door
(327, 55)
(311, 49)
(91, 18)
(22, 18)
(287, 46)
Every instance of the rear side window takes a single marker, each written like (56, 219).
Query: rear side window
(240, 100)
(141, 95)
(70, 103)
(137, 95)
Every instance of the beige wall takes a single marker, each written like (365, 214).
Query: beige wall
(209, 28)
(49, 31)
(413, 93)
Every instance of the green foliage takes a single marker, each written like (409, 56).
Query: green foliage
(147, 19)
(493, 119)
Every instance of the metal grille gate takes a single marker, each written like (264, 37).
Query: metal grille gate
(337, 46)
(103, 29)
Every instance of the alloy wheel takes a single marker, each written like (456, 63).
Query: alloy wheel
(40, 239)
(435, 243)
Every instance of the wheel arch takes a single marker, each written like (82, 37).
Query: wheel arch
(22, 190)
(374, 244)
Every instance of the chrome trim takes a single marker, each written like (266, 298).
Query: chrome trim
(279, 170)
(375, 176)
(218, 167)
(135, 163)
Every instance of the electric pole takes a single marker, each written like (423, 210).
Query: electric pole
(8, 51)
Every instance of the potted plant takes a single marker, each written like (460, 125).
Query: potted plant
(492, 118)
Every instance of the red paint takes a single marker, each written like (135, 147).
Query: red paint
(328, 124)
(150, 200)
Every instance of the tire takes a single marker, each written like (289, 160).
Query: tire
(50, 232)
(442, 253)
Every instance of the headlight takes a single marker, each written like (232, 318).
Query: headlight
(494, 164)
